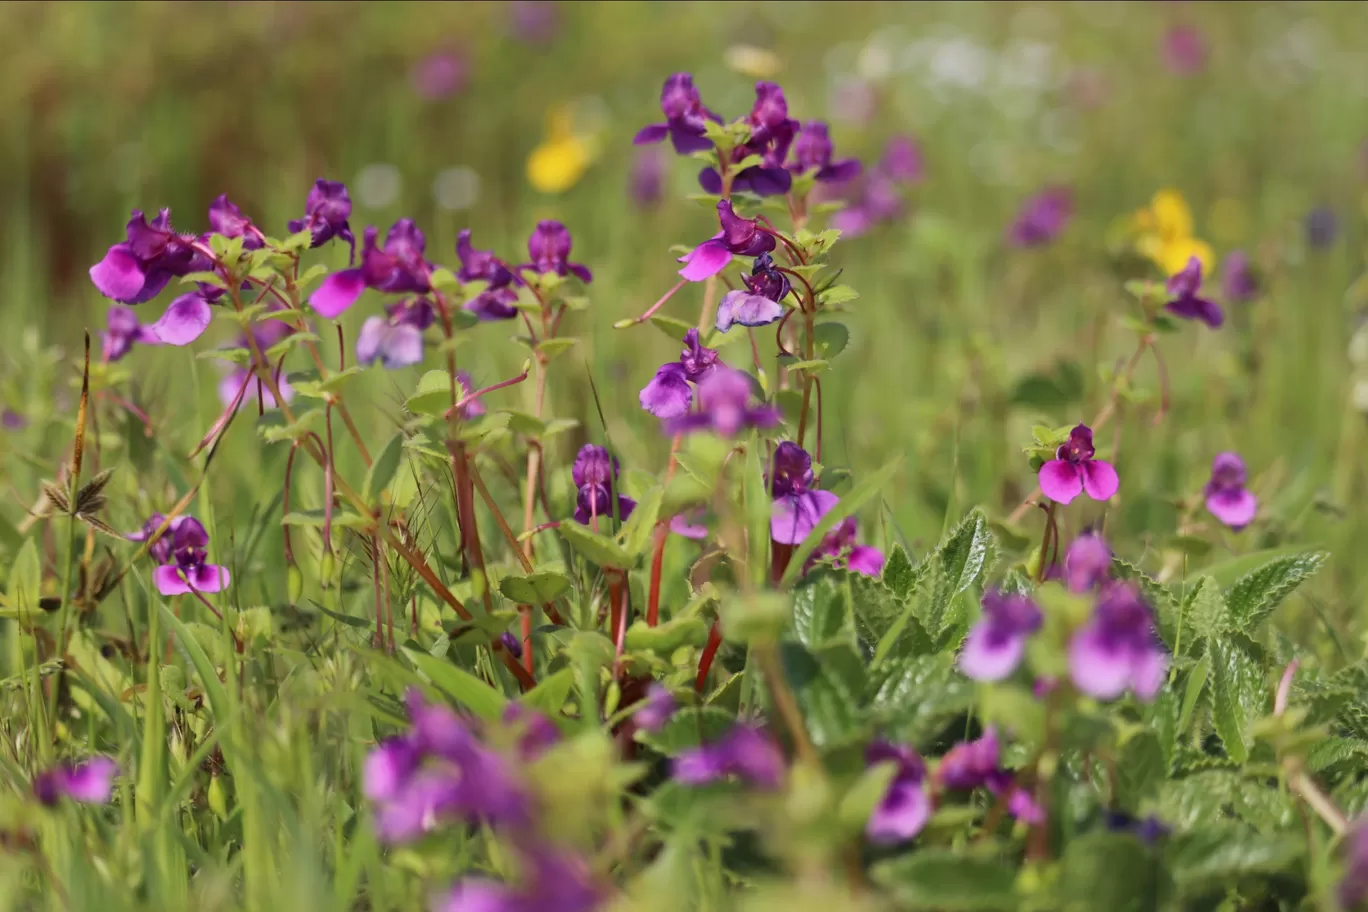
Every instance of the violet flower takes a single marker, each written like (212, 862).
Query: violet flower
(877, 197)
(395, 340)
(91, 782)
(1237, 278)
(184, 569)
(905, 808)
(464, 387)
(656, 709)
(797, 506)
(1148, 829)
(1074, 471)
(233, 380)
(690, 524)
(812, 151)
(497, 300)
(1118, 648)
(534, 22)
(595, 473)
(1226, 496)
(160, 549)
(549, 248)
(685, 117)
(1187, 303)
(226, 218)
(438, 75)
(136, 271)
(11, 420)
(536, 733)
(744, 752)
(1043, 218)
(739, 237)
(512, 644)
(122, 331)
(996, 645)
(724, 398)
(1353, 887)
(1185, 50)
(902, 160)
(552, 881)
(398, 268)
(977, 764)
(840, 545)
(1087, 563)
(325, 215)
(669, 393)
(646, 180)
(772, 132)
(758, 304)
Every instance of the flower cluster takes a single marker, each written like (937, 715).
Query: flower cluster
(182, 551)
(596, 476)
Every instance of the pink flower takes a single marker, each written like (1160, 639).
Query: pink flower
(1074, 471)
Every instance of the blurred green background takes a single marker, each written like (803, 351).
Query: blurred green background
(431, 111)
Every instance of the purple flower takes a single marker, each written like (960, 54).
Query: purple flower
(840, 545)
(1322, 227)
(744, 752)
(996, 644)
(724, 397)
(877, 198)
(977, 764)
(511, 643)
(552, 881)
(534, 21)
(905, 808)
(1353, 888)
(684, 117)
(398, 268)
(1043, 217)
(646, 181)
(758, 304)
(1118, 648)
(549, 248)
(91, 782)
(669, 393)
(1237, 278)
(1226, 496)
(227, 219)
(11, 420)
(395, 340)
(153, 254)
(234, 380)
(690, 524)
(812, 151)
(739, 236)
(772, 132)
(1074, 471)
(1147, 829)
(1186, 303)
(902, 160)
(464, 387)
(656, 709)
(1087, 564)
(797, 507)
(438, 75)
(497, 300)
(1185, 50)
(325, 215)
(595, 474)
(122, 331)
(185, 570)
(160, 549)
(536, 732)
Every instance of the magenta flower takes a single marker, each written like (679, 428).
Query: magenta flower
(685, 116)
(1118, 648)
(438, 75)
(1073, 471)
(160, 549)
(233, 381)
(227, 219)
(552, 881)
(91, 782)
(902, 160)
(797, 506)
(549, 248)
(1043, 217)
(595, 474)
(656, 709)
(325, 215)
(1226, 496)
(772, 132)
(1087, 563)
(536, 732)
(757, 304)
(812, 151)
(1187, 303)
(153, 254)
(464, 387)
(996, 644)
(724, 397)
(185, 570)
(395, 340)
(744, 752)
(496, 301)
(739, 237)
(905, 808)
(977, 764)
(122, 331)
(1185, 50)
(1237, 278)
(840, 545)
(398, 268)
(669, 393)
(690, 524)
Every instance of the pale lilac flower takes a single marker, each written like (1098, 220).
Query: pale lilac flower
(122, 331)
(91, 782)
(744, 752)
(1226, 495)
(690, 524)
(186, 570)
(758, 303)
(534, 21)
(656, 709)
(646, 181)
(1074, 471)
(395, 340)
(670, 394)
(1118, 648)
(1087, 563)
(905, 808)
(439, 75)
(1187, 302)
(724, 397)
(798, 507)
(996, 644)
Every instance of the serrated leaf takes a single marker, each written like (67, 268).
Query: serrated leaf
(956, 566)
(1239, 694)
(383, 468)
(432, 395)
(1219, 855)
(837, 295)
(639, 528)
(536, 589)
(1204, 610)
(597, 549)
(948, 881)
(912, 698)
(899, 575)
(664, 639)
(688, 728)
(828, 683)
(820, 609)
(1257, 594)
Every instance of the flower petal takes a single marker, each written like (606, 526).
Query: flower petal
(184, 321)
(1235, 508)
(668, 395)
(741, 307)
(402, 346)
(1060, 481)
(990, 658)
(1099, 479)
(1147, 673)
(1097, 669)
(119, 275)
(211, 578)
(866, 559)
(651, 133)
(902, 813)
(370, 339)
(91, 782)
(706, 260)
(793, 517)
(338, 292)
(169, 581)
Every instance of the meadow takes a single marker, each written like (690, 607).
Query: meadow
(992, 543)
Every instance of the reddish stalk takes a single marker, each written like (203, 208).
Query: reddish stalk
(705, 661)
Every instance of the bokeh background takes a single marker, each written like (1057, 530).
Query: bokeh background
(494, 115)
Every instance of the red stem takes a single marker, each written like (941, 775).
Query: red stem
(705, 661)
(662, 533)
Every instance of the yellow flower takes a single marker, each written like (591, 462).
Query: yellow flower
(752, 61)
(1164, 234)
(562, 158)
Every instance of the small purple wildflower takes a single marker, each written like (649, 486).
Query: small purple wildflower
(184, 569)
(11, 420)
(1043, 218)
(160, 549)
(552, 881)
(724, 397)
(465, 386)
(656, 709)
(744, 752)
(496, 301)
(669, 393)
(397, 268)
(534, 21)
(1237, 278)
(905, 808)
(395, 340)
(902, 160)
(772, 133)
(797, 506)
(996, 644)
(91, 782)
(535, 731)
(325, 215)
(812, 151)
(685, 117)
(840, 545)
(739, 237)
(1185, 50)
(877, 197)
(1118, 648)
(1226, 496)
(977, 764)
(758, 304)
(226, 218)
(512, 644)
(233, 381)
(1087, 563)
(595, 474)
(1187, 303)
(438, 75)
(646, 181)
(1353, 887)
(122, 331)
(1074, 471)
(1322, 227)
(690, 524)
(1148, 830)
(549, 249)
(136, 271)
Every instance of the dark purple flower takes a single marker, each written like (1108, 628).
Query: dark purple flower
(772, 132)
(549, 248)
(1237, 278)
(1147, 829)
(552, 881)
(1087, 563)
(160, 549)
(812, 151)
(905, 808)
(1073, 471)
(669, 393)
(1185, 50)
(1043, 217)
(646, 182)
(122, 331)
(512, 644)
(185, 569)
(744, 752)
(758, 304)
(797, 506)
(153, 254)
(685, 117)
(438, 75)
(724, 396)
(1322, 227)
(595, 474)
(91, 782)
(656, 709)
(325, 215)
(996, 644)
(496, 301)
(1118, 648)
(227, 219)
(1226, 496)
(395, 340)
(398, 268)
(535, 731)
(739, 237)
(1187, 303)
(11, 420)
(1353, 887)
(840, 545)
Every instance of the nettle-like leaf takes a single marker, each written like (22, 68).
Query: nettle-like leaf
(1218, 855)
(944, 880)
(1208, 795)
(821, 608)
(958, 565)
(913, 698)
(1204, 611)
(828, 682)
(1257, 594)
(1112, 871)
(885, 623)
(1240, 692)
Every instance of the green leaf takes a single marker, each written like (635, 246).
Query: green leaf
(1239, 694)
(956, 566)
(947, 881)
(820, 608)
(1050, 391)
(1220, 855)
(858, 496)
(1196, 683)
(460, 685)
(24, 585)
(537, 589)
(595, 548)
(433, 395)
(829, 683)
(837, 295)
(912, 698)
(289, 344)
(639, 528)
(1112, 871)
(664, 639)
(209, 679)
(688, 728)
(1229, 572)
(383, 469)
(551, 692)
(899, 575)
(831, 339)
(1204, 610)
(809, 368)
(553, 348)
(1256, 594)
(205, 278)
(675, 329)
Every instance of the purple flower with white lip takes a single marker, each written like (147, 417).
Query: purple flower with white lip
(744, 752)
(1118, 648)
(1226, 496)
(1043, 218)
(758, 304)
(160, 549)
(1187, 303)
(840, 545)
(122, 331)
(797, 507)
(996, 644)
(1087, 563)
(398, 268)
(738, 237)
(1237, 278)
(669, 393)
(185, 569)
(1074, 471)
(905, 808)
(549, 248)
(91, 782)
(226, 218)
(325, 215)
(772, 132)
(724, 397)
(684, 117)
(153, 254)
(595, 474)
(656, 709)
(395, 340)
(1353, 887)
(812, 151)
